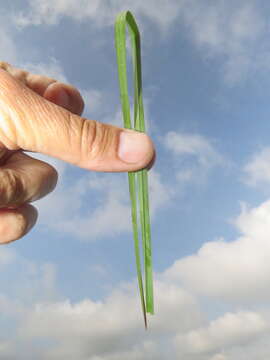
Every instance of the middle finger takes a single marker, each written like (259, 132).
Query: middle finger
(24, 179)
(61, 94)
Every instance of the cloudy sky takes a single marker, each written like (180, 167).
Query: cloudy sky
(68, 289)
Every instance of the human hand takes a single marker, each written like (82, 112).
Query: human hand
(39, 114)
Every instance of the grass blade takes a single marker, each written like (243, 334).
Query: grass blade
(138, 181)
(132, 191)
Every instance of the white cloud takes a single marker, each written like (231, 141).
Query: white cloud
(33, 281)
(37, 282)
(87, 328)
(192, 145)
(225, 27)
(11, 52)
(257, 170)
(234, 271)
(108, 216)
(194, 154)
(234, 32)
(93, 329)
(231, 329)
(7, 256)
(8, 47)
(160, 193)
(105, 319)
(219, 357)
(148, 350)
(50, 12)
(101, 13)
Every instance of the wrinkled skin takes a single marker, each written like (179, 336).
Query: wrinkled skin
(36, 116)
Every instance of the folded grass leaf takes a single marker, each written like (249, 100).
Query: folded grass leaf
(138, 181)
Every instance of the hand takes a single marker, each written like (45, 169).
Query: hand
(39, 114)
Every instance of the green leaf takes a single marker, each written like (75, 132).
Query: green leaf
(138, 181)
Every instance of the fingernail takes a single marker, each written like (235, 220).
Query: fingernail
(133, 146)
(63, 98)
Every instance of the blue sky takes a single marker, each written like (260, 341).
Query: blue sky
(68, 289)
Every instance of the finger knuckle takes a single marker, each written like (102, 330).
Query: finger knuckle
(100, 140)
(11, 188)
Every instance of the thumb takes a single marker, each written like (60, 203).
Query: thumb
(30, 122)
